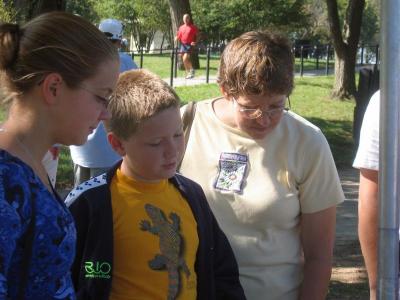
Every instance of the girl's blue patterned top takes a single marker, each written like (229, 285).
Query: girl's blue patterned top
(53, 246)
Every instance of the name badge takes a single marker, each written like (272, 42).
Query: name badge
(232, 169)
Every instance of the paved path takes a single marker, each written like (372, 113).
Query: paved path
(346, 222)
(198, 79)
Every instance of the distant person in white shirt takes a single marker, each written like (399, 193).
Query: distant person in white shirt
(96, 156)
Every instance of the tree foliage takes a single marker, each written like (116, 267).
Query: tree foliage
(7, 12)
(142, 18)
(28, 9)
(84, 9)
(370, 23)
(224, 20)
(152, 15)
(122, 10)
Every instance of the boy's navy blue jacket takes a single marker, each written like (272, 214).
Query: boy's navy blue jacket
(90, 204)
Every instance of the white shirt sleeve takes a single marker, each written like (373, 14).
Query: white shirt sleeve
(368, 150)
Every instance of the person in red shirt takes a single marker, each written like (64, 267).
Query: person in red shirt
(187, 35)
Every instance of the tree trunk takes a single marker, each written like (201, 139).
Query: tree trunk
(28, 9)
(162, 43)
(345, 45)
(37, 7)
(177, 9)
(149, 40)
(344, 85)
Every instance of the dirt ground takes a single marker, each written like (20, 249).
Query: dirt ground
(349, 278)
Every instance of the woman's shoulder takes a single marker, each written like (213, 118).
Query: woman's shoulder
(299, 131)
(10, 166)
(13, 170)
(299, 125)
(301, 122)
(15, 191)
(17, 183)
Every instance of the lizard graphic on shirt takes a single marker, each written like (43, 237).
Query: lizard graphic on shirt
(170, 242)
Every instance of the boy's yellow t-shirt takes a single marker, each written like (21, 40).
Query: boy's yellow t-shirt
(155, 241)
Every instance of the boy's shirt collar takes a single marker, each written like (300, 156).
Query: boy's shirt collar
(139, 185)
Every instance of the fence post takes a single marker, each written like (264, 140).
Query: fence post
(208, 64)
(301, 60)
(316, 57)
(362, 54)
(294, 55)
(376, 54)
(133, 55)
(171, 79)
(176, 62)
(328, 48)
(141, 57)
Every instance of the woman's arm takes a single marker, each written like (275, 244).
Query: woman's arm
(317, 237)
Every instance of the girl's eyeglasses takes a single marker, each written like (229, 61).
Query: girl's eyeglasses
(102, 100)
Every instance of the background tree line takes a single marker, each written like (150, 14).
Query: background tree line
(344, 23)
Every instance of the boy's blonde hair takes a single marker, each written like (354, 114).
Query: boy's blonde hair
(139, 95)
(257, 63)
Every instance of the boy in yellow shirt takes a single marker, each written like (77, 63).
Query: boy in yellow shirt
(145, 232)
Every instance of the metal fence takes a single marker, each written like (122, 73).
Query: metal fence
(324, 55)
(308, 57)
(173, 53)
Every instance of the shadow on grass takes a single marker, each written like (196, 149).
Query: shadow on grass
(310, 83)
(340, 138)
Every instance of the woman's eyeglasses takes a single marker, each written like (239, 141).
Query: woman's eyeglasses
(255, 113)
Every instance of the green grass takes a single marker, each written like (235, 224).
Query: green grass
(310, 99)
(310, 64)
(161, 65)
(197, 93)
